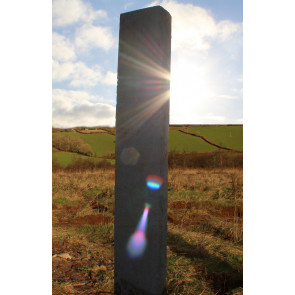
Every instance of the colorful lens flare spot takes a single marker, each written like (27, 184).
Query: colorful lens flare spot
(137, 242)
(143, 221)
(154, 182)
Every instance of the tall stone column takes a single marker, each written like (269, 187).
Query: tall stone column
(142, 126)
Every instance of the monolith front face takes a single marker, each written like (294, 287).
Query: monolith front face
(142, 125)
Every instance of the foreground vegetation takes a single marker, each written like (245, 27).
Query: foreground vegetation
(204, 241)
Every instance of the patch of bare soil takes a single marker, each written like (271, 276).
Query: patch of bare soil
(64, 216)
(230, 213)
(92, 219)
(190, 205)
(191, 220)
(85, 220)
(100, 207)
(66, 209)
(71, 264)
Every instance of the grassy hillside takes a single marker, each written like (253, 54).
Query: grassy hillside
(228, 136)
(103, 144)
(65, 158)
(180, 142)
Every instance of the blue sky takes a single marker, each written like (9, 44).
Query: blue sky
(206, 61)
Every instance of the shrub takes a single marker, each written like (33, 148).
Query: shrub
(82, 165)
(71, 144)
(218, 159)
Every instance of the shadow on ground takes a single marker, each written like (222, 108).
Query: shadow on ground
(221, 275)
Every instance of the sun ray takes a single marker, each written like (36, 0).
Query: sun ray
(152, 85)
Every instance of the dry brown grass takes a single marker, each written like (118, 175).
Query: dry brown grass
(205, 231)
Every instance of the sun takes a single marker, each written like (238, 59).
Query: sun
(189, 87)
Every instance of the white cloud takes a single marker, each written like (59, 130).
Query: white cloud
(85, 76)
(227, 29)
(79, 73)
(70, 98)
(205, 64)
(226, 96)
(193, 27)
(62, 48)
(78, 108)
(110, 78)
(219, 119)
(89, 36)
(62, 71)
(67, 12)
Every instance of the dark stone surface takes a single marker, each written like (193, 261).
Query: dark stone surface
(142, 125)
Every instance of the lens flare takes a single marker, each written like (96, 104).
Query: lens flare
(143, 221)
(154, 182)
(152, 81)
(137, 242)
(129, 156)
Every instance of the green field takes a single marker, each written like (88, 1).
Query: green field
(65, 158)
(103, 144)
(181, 142)
(227, 136)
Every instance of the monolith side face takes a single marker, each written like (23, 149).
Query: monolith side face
(142, 125)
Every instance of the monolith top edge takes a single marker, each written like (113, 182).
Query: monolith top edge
(138, 11)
